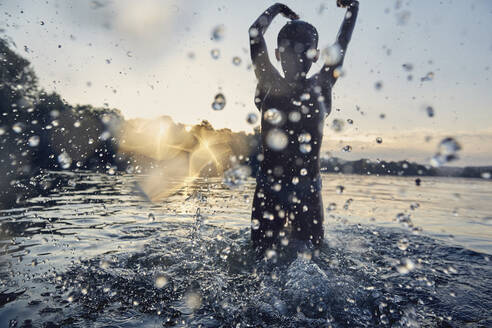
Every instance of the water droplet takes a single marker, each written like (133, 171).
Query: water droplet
(428, 77)
(350, 121)
(105, 136)
(430, 111)
(379, 140)
(252, 118)
(253, 32)
(151, 217)
(449, 146)
(294, 116)
(270, 253)
(311, 53)
(338, 72)
(406, 266)
(337, 125)
(305, 148)
(404, 219)
(303, 172)
(273, 116)
(219, 102)
(331, 207)
(104, 264)
(33, 141)
(76, 124)
(160, 281)
(332, 54)
(218, 33)
(295, 180)
(304, 137)
(378, 85)
(215, 53)
(340, 189)
(407, 67)
(2, 131)
(193, 300)
(65, 160)
(268, 215)
(447, 151)
(84, 291)
(255, 224)
(403, 17)
(486, 175)
(305, 96)
(106, 119)
(18, 127)
(403, 244)
(276, 139)
(383, 318)
(225, 252)
(236, 60)
(347, 149)
(296, 102)
(236, 176)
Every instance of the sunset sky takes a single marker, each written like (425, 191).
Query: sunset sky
(152, 57)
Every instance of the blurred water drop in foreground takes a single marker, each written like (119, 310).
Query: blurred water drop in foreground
(446, 152)
(219, 102)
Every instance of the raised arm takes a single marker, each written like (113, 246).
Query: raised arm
(259, 53)
(329, 71)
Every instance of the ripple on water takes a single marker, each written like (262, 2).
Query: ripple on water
(99, 260)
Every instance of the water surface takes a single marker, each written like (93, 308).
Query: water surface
(94, 252)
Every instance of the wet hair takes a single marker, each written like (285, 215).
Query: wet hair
(298, 32)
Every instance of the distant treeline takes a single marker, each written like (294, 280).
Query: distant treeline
(400, 168)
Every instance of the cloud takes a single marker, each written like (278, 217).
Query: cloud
(146, 26)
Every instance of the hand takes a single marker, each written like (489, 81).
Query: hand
(345, 3)
(287, 12)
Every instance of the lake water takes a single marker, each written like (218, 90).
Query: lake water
(94, 253)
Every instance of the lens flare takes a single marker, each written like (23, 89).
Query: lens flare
(174, 154)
